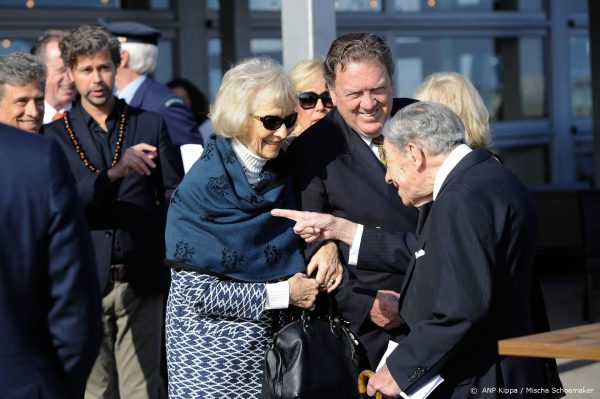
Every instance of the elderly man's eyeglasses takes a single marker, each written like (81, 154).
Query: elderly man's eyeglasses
(308, 99)
(271, 122)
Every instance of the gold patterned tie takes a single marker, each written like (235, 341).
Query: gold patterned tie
(378, 141)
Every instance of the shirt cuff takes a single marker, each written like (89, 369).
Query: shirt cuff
(353, 255)
(278, 296)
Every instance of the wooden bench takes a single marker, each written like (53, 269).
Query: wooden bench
(581, 343)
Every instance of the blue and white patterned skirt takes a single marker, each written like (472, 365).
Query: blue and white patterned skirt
(217, 333)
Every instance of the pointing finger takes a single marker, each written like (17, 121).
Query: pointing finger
(296, 216)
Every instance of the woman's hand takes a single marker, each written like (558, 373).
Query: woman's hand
(326, 262)
(303, 291)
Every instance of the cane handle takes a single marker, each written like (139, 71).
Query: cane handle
(363, 377)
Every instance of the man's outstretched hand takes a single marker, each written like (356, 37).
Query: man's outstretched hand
(313, 226)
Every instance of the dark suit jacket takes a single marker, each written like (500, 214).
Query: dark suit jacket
(156, 97)
(50, 324)
(133, 208)
(336, 172)
(471, 285)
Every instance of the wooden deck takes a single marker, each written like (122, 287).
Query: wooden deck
(581, 343)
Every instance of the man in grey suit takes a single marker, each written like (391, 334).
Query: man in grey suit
(469, 282)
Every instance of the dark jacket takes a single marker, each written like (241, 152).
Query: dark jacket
(50, 325)
(156, 97)
(470, 285)
(336, 172)
(126, 218)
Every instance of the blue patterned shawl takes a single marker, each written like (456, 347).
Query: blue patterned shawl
(219, 224)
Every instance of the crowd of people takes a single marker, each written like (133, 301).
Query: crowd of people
(312, 182)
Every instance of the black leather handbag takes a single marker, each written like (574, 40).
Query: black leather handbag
(314, 357)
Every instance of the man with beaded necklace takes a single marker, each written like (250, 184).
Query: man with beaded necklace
(125, 168)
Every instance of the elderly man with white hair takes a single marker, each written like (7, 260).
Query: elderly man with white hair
(469, 282)
(135, 84)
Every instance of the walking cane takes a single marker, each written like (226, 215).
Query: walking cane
(362, 383)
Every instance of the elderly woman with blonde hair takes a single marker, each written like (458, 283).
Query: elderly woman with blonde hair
(458, 93)
(235, 268)
(314, 101)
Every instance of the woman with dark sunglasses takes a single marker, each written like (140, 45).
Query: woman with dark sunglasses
(314, 101)
(235, 269)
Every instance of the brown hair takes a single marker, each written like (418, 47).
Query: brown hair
(87, 40)
(357, 47)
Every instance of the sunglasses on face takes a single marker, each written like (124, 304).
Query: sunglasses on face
(308, 99)
(271, 122)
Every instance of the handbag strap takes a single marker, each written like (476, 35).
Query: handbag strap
(333, 316)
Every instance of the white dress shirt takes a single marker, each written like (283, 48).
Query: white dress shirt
(455, 156)
(50, 112)
(128, 91)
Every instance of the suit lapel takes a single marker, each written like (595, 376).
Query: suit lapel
(364, 164)
(423, 213)
(471, 159)
(130, 130)
(423, 226)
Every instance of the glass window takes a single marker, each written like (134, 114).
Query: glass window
(107, 4)
(467, 5)
(584, 163)
(254, 5)
(578, 5)
(581, 78)
(530, 163)
(358, 5)
(10, 45)
(266, 47)
(212, 5)
(496, 66)
(214, 66)
(270, 47)
(160, 4)
(81, 4)
(264, 5)
(275, 5)
(164, 65)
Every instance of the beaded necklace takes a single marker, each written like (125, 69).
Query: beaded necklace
(81, 152)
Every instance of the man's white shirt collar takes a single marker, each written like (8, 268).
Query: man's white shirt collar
(456, 155)
(129, 91)
(367, 140)
(50, 111)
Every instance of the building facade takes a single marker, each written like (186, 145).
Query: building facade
(530, 59)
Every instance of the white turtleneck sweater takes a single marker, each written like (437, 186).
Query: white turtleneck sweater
(278, 294)
(252, 163)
